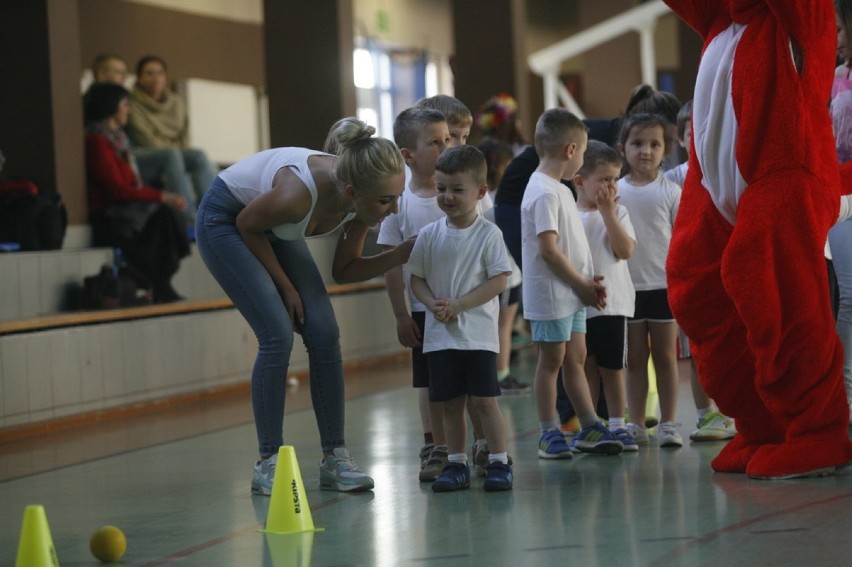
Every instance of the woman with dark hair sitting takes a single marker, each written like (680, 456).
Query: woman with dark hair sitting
(124, 212)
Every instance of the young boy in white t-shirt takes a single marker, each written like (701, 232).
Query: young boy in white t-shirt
(612, 241)
(422, 135)
(459, 266)
(559, 282)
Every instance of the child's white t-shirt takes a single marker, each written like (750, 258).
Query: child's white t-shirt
(413, 213)
(677, 174)
(652, 209)
(454, 262)
(620, 294)
(548, 205)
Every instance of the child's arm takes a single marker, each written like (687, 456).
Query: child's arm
(591, 292)
(407, 330)
(621, 243)
(485, 292)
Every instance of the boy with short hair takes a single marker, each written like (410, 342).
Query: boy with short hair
(459, 266)
(459, 118)
(612, 241)
(422, 135)
(558, 282)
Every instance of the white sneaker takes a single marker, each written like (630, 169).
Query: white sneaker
(714, 427)
(264, 475)
(668, 435)
(640, 434)
(339, 472)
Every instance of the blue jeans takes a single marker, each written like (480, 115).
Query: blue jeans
(840, 239)
(188, 171)
(255, 295)
(164, 168)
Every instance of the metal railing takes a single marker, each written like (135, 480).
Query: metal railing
(547, 62)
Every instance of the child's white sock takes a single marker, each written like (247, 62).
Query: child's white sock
(458, 458)
(616, 423)
(548, 425)
(499, 457)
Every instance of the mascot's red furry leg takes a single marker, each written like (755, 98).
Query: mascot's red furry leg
(753, 299)
(717, 334)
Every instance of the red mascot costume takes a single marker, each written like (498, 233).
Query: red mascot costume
(747, 278)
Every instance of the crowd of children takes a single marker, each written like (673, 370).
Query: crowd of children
(593, 287)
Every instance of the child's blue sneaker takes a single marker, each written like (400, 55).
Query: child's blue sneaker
(597, 439)
(552, 445)
(626, 439)
(455, 476)
(498, 477)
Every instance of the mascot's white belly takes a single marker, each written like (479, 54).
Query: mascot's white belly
(714, 123)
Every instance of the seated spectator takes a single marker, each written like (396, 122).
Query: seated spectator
(109, 68)
(159, 167)
(123, 211)
(158, 119)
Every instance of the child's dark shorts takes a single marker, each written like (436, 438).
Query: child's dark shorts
(606, 340)
(454, 373)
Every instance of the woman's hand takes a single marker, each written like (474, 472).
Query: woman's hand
(295, 310)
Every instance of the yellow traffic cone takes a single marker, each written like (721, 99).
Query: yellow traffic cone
(289, 511)
(289, 550)
(35, 548)
(652, 402)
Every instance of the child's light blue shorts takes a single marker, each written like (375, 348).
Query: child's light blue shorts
(559, 330)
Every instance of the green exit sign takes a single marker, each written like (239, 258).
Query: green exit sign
(383, 20)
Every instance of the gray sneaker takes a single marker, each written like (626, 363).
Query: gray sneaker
(339, 472)
(431, 469)
(264, 475)
(425, 451)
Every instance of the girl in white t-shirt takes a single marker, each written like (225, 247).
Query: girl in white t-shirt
(652, 202)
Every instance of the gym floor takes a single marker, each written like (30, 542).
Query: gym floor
(177, 483)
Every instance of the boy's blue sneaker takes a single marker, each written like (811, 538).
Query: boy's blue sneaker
(498, 477)
(455, 476)
(598, 439)
(552, 445)
(626, 439)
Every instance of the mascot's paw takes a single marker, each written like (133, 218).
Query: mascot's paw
(735, 456)
(801, 458)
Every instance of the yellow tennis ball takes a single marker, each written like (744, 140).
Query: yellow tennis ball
(108, 544)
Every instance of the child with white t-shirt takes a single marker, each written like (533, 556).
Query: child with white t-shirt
(652, 201)
(459, 266)
(612, 241)
(558, 283)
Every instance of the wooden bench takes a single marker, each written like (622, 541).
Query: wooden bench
(77, 318)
